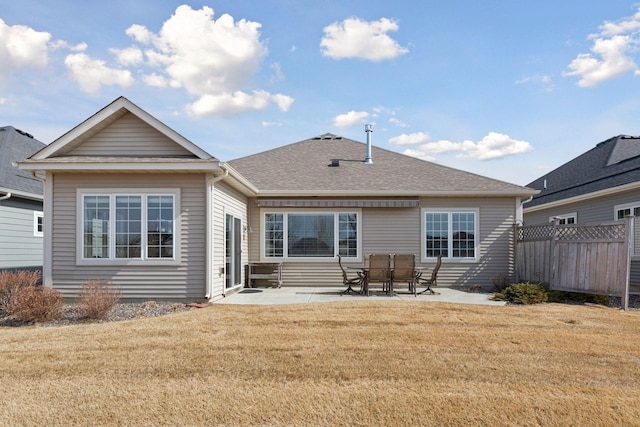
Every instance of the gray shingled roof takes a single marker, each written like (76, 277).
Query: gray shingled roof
(609, 164)
(305, 167)
(16, 145)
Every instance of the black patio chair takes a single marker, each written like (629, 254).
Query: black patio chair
(350, 282)
(431, 281)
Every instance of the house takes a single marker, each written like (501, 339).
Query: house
(328, 195)
(21, 219)
(600, 185)
(133, 202)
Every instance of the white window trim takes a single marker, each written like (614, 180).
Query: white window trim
(423, 233)
(36, 232)
(631, 206)
(112, 193)
(285, 212)
(573, 215)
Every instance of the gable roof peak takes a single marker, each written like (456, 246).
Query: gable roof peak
(107, 115)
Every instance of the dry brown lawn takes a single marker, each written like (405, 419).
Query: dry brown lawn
(346, 363)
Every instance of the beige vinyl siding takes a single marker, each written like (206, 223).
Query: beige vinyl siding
(170, 282)
(129, 136)
(18, 245)
(226, 201)
(397, 230)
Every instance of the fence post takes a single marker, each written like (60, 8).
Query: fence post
(516, 267)
(552, 252)
(629, 234)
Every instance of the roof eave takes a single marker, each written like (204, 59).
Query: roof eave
(34, 166)
(582, 197)
(388, 193)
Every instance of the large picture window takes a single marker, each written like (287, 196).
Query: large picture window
(452, 234)
(128, 226)
(304, 235)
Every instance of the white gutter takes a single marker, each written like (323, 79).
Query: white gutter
(209, 234)
(6, 196)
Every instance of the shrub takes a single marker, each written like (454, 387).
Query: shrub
(96, 299)
(568, 297)
(13, 281)
(500, 282)
(36, 304)
(523, 293)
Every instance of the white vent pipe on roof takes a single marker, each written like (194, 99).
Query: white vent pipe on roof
(368, 129)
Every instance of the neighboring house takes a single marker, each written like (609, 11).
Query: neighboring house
(319, 197)
(600, 185)
(21, 219)
(133, 202)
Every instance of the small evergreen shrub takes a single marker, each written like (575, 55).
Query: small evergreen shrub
(523, 293)
(11, 282)
(96, 299)
(577, 297)
(36, 304)
(500, 282)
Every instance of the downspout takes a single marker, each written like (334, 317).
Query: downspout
(209, 237)
(5, 197)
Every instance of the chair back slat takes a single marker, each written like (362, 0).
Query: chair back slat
(404, 267)
(379, 268)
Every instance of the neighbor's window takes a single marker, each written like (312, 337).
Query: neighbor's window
(625, 211)
(451, 234)
(565, 219)
(310, 234)
(128, 226)
(38, 224)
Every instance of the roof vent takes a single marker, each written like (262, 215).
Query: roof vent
(335, 163)
(368, 129)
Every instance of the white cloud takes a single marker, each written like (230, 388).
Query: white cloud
(350, 119)
(609, 57)
(22, 47)
(2, 100)
(92, 74)
(354, 38)
(155, 80)
(269, 124)
(283, 101)
(229, 104)
(493, 146)
(129, 56)
(410, 139)
(397, 122)
(213, 60)
(61, 44)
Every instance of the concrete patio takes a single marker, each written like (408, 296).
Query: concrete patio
(301, 295)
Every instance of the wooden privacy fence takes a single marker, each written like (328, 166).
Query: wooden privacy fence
(594, 258)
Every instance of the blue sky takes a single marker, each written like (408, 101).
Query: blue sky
(505, 89)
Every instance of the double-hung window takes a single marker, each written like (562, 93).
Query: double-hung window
(308, 235)
(128, 226)
(450, 233)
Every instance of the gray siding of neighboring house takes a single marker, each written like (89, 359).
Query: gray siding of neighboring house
(131, 136)
(596, 210)
(185, 281)
(19, 247)
(226, 201)
(398, 230)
